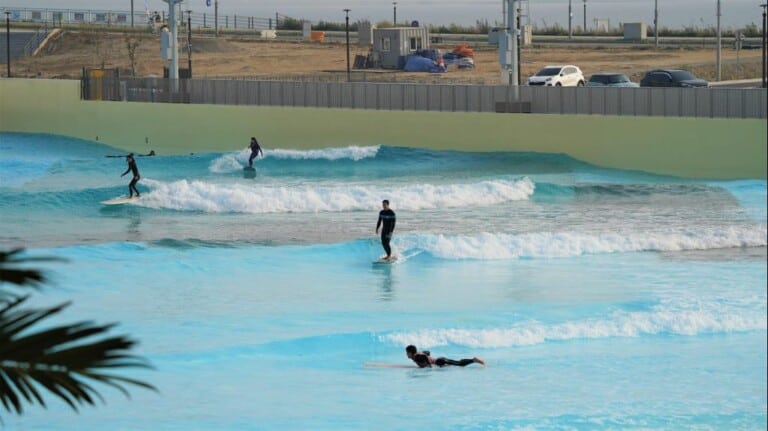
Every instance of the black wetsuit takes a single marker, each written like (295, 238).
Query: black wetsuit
(387, 222)
(136, 177)
(255, 150)
(423, 360)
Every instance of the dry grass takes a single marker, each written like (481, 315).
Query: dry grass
(229, 57)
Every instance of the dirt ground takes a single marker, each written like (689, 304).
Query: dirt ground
(66, 55)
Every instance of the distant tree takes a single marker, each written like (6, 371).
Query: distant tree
(132, 42)
(62, 359)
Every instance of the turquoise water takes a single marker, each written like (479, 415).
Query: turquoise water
(601, 299)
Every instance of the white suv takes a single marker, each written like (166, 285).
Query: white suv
(558, 76)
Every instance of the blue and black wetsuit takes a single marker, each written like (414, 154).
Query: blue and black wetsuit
(387, 222)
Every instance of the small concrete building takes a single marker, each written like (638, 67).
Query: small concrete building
(635, 31)
(392, 45)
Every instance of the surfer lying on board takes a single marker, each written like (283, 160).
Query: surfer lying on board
(424, 360)
(387, 222)
(136, 177)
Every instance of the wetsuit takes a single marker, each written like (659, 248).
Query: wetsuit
(423, 360)
(255, 150)
(387, 222)
(136, 177)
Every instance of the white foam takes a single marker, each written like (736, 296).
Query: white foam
(619, 324)
(245, 198)
(235, 161)
(489, 246)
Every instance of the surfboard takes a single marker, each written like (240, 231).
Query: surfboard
(382, 261)
(120, 201)
(383, 365)
(249, 172)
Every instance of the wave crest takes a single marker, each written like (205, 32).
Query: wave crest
(496, 246)
(235, 161)
(620, 324)
(222, 198)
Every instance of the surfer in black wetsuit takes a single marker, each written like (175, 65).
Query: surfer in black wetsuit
(255, 150)
(424, 360)
(136, 177)
(387, 223)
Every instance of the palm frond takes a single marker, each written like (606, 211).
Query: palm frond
(62, 359)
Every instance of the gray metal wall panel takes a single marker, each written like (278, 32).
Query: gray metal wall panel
(323, 94)
(735, 103)
(703, 102)
(409, 97)
(473, 98)
(434, 98)
(310, 98)
(597, 100)
(447, 95)
(642, 101)
(554, 100)
(539, 102)
(583, 96)
(420, 97)
(719, 102)
(626, 102)
(656, 106)
(687, 102)
(460, 98)
(358, 94)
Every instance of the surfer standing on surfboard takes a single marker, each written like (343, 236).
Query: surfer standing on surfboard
(255, 150)
(424, 360)
(387, 223)
(136, 177)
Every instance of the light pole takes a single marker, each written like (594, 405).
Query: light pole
(718, 41)
(8, 41)
(765, 37)
(570, 20)
(189, 42)
(346, 27)
(656, 23)
(394, 14)
(585, 16)
(131, 13)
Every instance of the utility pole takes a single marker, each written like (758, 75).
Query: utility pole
(394, 14)
(189, 42)
(765, 40)
(656, 24)
(570, 20)
(216, 18)
(346, 27)
(131, 13)
(8, 43)
(718, 41)
(585, 16)
(173, 69)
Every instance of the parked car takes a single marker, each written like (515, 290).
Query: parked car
(558, 76)
(610, 80)
(672, 78)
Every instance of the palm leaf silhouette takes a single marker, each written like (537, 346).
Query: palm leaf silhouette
(64, 359)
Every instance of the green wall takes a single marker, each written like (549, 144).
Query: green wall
(687, 147)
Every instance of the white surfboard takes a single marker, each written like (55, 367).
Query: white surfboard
(383, 365)
(121, 200)
(383, 261)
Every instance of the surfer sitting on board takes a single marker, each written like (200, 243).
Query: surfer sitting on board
(255, 150)
(136, 177)
(424, 360)
(387, 219)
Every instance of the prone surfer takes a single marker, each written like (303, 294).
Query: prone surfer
(136, 177)
(424, 360)
(387, 222)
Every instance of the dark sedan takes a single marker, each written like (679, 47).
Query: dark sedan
(672, 78)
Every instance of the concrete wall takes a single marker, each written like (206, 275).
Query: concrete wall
(687, 147)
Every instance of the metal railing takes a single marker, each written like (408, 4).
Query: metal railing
(663, 102)
(35, 41)
(107, 18)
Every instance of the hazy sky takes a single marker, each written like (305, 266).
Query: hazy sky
(672, 13)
